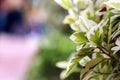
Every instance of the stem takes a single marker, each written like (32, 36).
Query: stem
(105, 52)
(105, 73)
(108, 53)
(101, 73)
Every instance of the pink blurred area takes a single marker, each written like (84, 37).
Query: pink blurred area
(15, 55)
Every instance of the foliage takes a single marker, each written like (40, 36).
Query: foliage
(54, 47)
(54, 14)
(97, 35)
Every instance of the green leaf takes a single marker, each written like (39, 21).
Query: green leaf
(79, 38)
(62, 64)
(85, 51)
(82, 4)
(64, 3)
(115, 34)
(84, 61)
(113, 4)
(68, 19)
(79, 56)
(72, 63)
(85, 24)
(96, 77)
(94, 35)
(90, 65)
(63, 75)
(75, 26)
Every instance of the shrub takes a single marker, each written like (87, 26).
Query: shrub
(97, 35)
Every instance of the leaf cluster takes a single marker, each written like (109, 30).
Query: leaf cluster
(96, 25)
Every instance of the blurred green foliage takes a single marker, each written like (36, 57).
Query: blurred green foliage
(56, 47)
(55, 14)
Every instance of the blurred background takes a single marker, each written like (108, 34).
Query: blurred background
(55, 44)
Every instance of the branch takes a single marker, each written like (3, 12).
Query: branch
(101, 73)
(105, 73)
(108, 53)
(105, 52)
